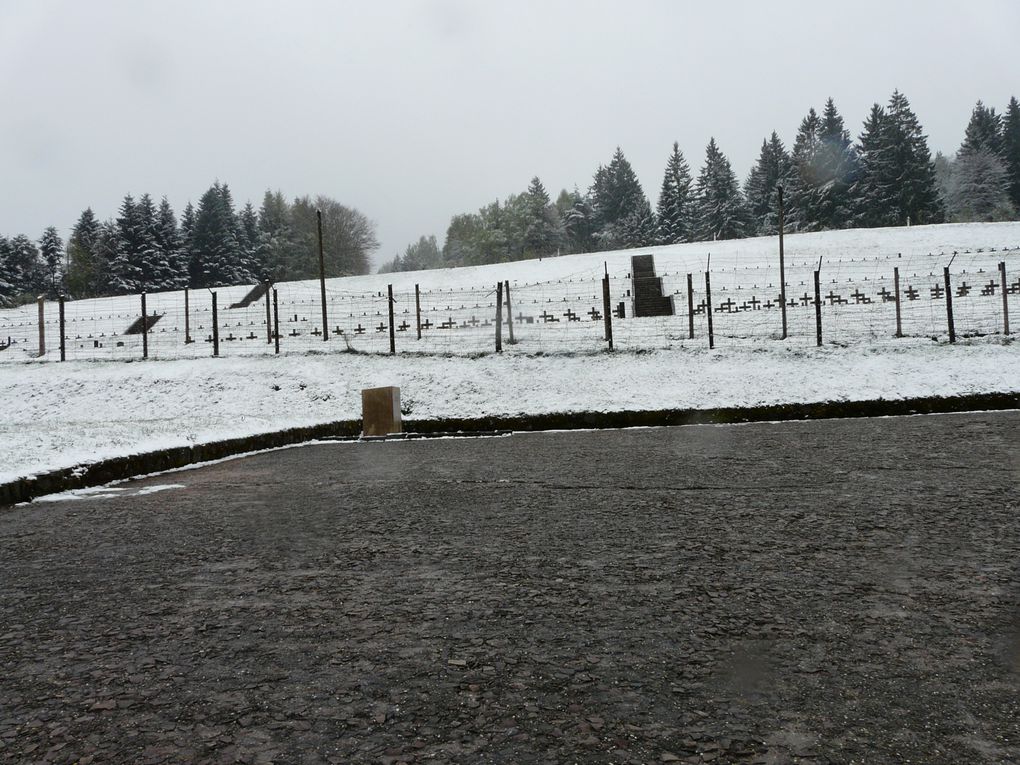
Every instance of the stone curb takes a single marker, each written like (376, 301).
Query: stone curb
(119, 468)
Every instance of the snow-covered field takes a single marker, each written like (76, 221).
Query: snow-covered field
(59, 415)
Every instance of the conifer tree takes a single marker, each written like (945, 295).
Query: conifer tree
(248, 235)
(126, 272)
(543, 232)
(984, 131)
(51, 249)
(805, 181)
(772, 170)
(7, 292)
(917, 191)
(978, 189)
(215, 258)
(577, 217)
(86, 274)
(1011, 151)
(875, 192)
(24, 271)
(835, 171)
(719, 209)
(171, 271)
(622, 215)
(673, 212)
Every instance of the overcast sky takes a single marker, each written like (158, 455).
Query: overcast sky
(414, 111)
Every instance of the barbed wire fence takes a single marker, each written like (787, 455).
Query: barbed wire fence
(859, 301)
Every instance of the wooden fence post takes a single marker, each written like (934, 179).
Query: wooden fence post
(1005, 298)
(269, 324)
(322, 278)
(215, 328)
(896, 287)
(499, 317)
(509, 316)
(417, 309)
(690, 307)
(708, 308)
(393, 336)
(607, 310)
(782, 260)
(145, 330)
(187, 318)
(63, 332)
(818, 309)
(42, 325)
(276, 320)
(949, 306)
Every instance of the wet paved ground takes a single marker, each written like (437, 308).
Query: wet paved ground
(842, 591)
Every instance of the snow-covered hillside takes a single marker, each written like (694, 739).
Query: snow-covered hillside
(557, 303)
(95, 406)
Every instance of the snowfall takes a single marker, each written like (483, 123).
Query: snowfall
(104, 401)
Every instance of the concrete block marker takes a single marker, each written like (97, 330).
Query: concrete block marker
(380, 411)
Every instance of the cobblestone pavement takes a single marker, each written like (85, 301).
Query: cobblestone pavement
(822, 592)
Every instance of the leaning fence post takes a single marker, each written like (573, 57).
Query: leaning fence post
(417, 309)
(818, 309)
(499, 317)
(145, 330)
(42, 325)
(276, 321)
(215, 328)
(63, 345)
(690, 307)
(509, 315)
(393, 337)
(949, 306)
(896, 288)
(708, 308)
(1005, 298)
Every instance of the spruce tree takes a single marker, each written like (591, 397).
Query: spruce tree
(24, 270)
(875, 191)
(984, 131)
(86, 275)
(7, 292)
(543, 232)
(171, 272)
(805, 181)
(719, 209)
(978, 188)
(772, 170)
(51, 250)
(1011, 151)
(248, 232)
(215, 257)
(917, 190)
(835, 170)
(622, 215)
(673, 212)
(577, 218)
(126, 272)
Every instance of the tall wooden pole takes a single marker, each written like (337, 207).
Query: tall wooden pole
(63, 332)
(42, 325)
(393, 337)
(690, 306)
(1005, 298)
(145, 330)
(215, 328)
(607, 310)
(896, 287)
(276, 321)
(782, 260)
(708, 308)
(269, 323)
(499, 317)
(187, 318)
(949, 306)
(818, 309)
(322, 278)
(417, 309)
